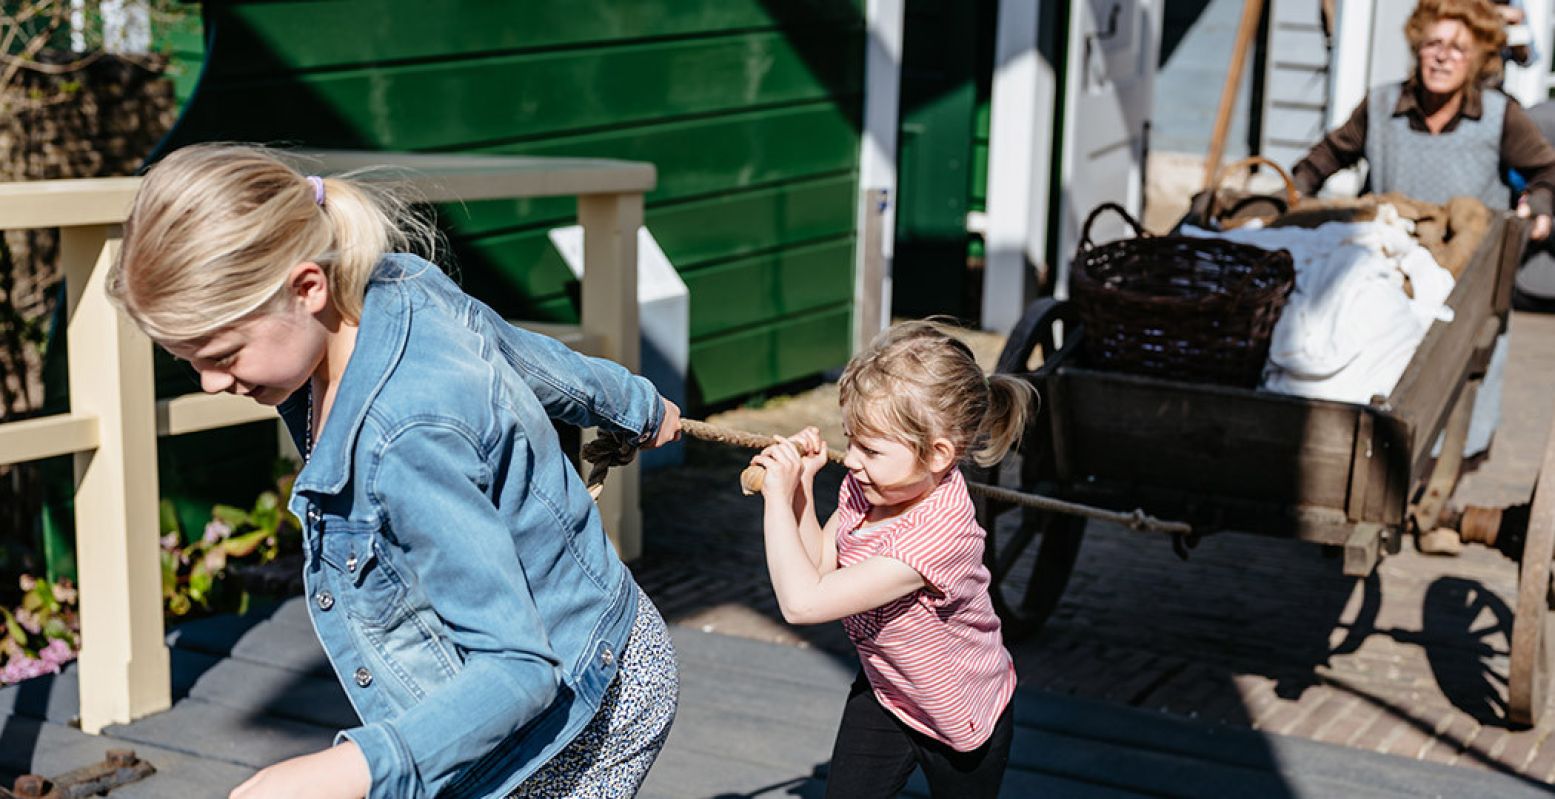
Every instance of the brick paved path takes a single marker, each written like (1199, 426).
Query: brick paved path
(1250, 631)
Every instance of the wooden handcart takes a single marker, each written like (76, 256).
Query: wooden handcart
(1357, 477)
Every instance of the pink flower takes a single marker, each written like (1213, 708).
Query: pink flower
(27, 582)
(58, 653)
(216, 530)
(170, 541)
(29, 621)
(26, 668)
(65, 592)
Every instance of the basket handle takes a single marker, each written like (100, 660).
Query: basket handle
(1085, 230)
(1291, 195)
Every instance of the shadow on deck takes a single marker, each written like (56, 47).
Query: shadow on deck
(756, 720)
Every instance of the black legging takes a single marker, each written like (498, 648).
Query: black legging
(875, 754)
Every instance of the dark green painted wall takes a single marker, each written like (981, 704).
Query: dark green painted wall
(947, 69)
(749, 108)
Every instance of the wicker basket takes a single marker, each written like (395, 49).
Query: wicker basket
(1179, 307)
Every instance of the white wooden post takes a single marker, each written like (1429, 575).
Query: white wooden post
(610, 223)
(877, 169)
(1020, 142)
(124, 659)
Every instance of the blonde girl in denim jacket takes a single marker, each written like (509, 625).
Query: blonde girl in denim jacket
(456, 571)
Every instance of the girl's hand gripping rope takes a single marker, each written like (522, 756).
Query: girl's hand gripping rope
(787, 464)
(783, 466)
(813, 454)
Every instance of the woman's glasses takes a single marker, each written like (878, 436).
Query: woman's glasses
(1447, 51)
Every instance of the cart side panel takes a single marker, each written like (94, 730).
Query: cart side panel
(1451, 352)
(1205, 440)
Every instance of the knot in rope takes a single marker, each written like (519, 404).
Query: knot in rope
(606, 450)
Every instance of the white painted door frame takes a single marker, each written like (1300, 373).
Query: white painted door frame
(1020, 147)
(877, 169)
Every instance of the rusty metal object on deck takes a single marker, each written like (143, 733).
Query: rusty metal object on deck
(119, 767)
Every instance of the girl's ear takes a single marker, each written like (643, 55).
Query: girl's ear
(310, 286)
(942, 455)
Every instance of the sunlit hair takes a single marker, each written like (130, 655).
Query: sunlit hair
(216, 228)
(916, 382)
(1484, 26)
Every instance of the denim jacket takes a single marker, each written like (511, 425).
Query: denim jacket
(456, 569)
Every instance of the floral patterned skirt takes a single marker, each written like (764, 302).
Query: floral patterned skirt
(611, 756)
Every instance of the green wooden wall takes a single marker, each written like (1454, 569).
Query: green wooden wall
(749, 108)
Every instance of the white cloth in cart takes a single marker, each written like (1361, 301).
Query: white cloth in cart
(1349, 330)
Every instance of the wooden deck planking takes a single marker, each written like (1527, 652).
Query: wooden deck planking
(755, 719)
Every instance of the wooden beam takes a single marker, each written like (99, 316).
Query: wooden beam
(609, 314)
(441, 177)
(47, 437)
(123, 661)
(1362, 549)
(1252, 10)
(66, 203)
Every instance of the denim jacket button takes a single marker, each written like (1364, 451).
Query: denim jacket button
(364, 677)
(607, 657)
(351, 563)
(326, 600)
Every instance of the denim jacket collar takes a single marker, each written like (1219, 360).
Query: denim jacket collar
(380, 341)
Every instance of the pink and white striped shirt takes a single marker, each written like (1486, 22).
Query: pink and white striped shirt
(934, 657)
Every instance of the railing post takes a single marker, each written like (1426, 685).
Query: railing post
(124, 659)
(610, 223)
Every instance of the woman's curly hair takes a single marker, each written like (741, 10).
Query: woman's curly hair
(1484, 26)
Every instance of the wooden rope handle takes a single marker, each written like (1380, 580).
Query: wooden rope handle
(754, 475)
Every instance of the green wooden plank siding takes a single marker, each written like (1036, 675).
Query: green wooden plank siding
(749, 109)
(782, 350)
(469, 102)
(277, 34)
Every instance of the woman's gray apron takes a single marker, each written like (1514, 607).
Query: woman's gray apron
(1435, 168)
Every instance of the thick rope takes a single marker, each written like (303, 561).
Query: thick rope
(609, 450)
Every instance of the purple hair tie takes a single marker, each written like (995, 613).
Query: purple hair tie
(318, 189)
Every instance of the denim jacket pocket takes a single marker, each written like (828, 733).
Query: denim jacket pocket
(372, 592)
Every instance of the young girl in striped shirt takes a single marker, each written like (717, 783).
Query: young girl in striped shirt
(900, 562)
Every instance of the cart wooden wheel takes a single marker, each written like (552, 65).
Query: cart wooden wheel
(1042, 545)
(1528, 682)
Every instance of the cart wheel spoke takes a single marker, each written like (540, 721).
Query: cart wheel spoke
(1528, 679)
(1024, 610)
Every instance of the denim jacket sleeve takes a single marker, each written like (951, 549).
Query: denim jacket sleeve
(579, 390)
(455, 541)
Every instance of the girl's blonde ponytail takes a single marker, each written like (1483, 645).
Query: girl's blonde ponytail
(1010, 399)
(367, 220)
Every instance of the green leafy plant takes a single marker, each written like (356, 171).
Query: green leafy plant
(193, 571)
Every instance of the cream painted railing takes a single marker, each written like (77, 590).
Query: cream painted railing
(115, 419)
